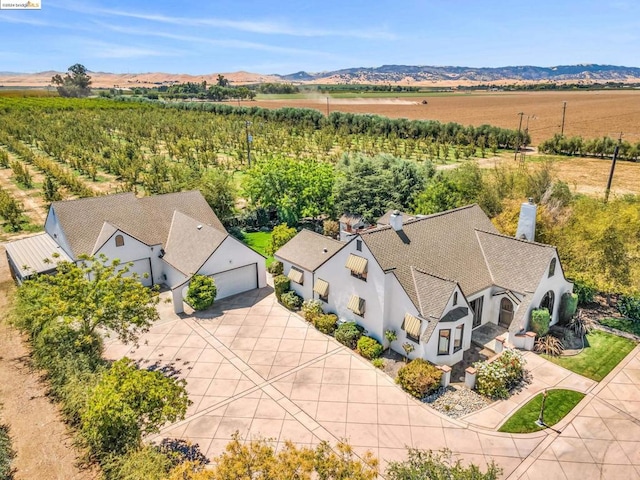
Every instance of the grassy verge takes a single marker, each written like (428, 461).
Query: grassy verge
(622, 324)
(602, 352)
(259, 241)
(558, 404)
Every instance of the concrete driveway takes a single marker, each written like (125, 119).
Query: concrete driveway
(255, 367)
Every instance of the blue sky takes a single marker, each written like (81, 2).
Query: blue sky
(287, 36)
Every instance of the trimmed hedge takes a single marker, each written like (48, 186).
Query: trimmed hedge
(568, 307)
(540, 319)
(202, 292)
(326, 323)
(369, 347)
(348, 334)
(281, 284)
(419, 378)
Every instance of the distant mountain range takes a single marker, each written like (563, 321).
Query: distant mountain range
(412, 74)
(386, 74)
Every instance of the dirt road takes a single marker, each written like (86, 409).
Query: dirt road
(42, 442)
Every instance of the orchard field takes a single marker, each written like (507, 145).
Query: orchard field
(54, 148)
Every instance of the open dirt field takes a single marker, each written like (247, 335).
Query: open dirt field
(590, 114)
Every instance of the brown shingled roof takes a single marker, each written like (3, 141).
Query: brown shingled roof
(515, 264)
(148, 219)
(307, 250)
(386, 218)
(443, 245)
(190, 243)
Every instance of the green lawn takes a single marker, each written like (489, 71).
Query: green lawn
(559, 403)
(622, 324)
(603, 351)
(259, 241)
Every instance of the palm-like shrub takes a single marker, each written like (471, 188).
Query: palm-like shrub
(581, 325)
(549, 345)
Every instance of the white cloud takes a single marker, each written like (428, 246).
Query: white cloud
(114, 50)
(226, 43)
(266, 27)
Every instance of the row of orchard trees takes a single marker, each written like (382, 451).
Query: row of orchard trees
(596, 147)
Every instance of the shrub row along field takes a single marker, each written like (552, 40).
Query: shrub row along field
(592, 114)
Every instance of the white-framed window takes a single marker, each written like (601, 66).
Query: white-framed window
(458, 338)
(444, 340)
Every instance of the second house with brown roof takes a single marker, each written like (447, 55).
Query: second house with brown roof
(433, 279)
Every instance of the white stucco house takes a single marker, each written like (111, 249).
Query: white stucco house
(167, 239)
(433, 279)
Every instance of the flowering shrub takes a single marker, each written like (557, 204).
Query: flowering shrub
(494, 379)
(311, 309)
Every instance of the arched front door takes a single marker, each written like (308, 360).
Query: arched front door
(506, 313)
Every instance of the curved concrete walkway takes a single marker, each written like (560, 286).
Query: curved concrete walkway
(255, 367)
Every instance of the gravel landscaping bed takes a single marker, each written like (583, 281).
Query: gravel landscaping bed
(456, 401)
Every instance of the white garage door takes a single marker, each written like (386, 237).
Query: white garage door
(143, 268)
(237, 280)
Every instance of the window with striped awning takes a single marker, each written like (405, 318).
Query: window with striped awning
(321, 287)
(357, 264)
(296, 275)
(411, 326)
(356, 305)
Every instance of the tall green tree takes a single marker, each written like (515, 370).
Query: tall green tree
(76, 82)
(220, 191)
(93, 294)
(295, 188)
(369, 186)
(129, 403)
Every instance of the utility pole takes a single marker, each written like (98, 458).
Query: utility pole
(249, 140)
(327, 106)
(613, 167)
(515, 155)
(564, 109)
